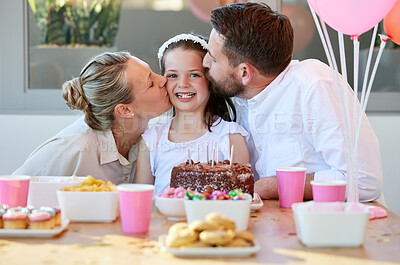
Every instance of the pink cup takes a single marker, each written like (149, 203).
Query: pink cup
(291, 182)
(328, 190)
(135, 202)
(14, 190)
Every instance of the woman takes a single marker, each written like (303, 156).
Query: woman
(118, 94)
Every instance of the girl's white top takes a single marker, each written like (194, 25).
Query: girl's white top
(164, 154)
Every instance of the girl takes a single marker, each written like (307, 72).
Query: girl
(201, 119)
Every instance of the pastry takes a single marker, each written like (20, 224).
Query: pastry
(221, 176)
(216, 237)
(40, 220)
(221, 221)
(15, 220)
(200, 226)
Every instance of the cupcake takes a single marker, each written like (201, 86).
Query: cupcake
(15, 219)
(52, 212)
(47, 211)
(40, 220)
(58, 215)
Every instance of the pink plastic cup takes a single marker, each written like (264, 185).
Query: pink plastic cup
(291, 182)
(328, 190)
(14, 190)
(135, 203)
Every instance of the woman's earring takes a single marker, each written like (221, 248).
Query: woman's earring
(132, 115)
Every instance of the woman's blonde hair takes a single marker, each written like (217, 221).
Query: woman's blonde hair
(101, 85)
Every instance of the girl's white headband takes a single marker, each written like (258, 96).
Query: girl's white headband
(178, 38)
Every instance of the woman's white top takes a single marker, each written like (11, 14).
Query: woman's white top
(164, 154)
(79, 150)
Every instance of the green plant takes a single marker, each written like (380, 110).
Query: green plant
(72, 22)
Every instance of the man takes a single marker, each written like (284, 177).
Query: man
(292, 109)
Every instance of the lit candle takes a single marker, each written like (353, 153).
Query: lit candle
(212, 157)
(231, 155)
(208, 160)
(198, 153)
(190, 160)
(216, 155)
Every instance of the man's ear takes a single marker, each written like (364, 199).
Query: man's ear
(245, 73)
(123, 111)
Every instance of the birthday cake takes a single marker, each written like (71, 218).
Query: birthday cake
(221, 176)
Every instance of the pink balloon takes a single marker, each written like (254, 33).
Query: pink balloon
(202, 8)
(352, 17)
(302, 23)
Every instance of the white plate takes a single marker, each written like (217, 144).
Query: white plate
(256, 203)
(38, 233)
(208, 252)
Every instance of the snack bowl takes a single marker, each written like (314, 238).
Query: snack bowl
(43, 189)
(173, 208)
(237, 210)
(85, 206)
(331, 224)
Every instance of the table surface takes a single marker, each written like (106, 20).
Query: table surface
(104, 243)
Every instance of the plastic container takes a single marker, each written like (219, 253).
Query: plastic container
(173, 208)
(237, 210)
(330, 224)
(88, 206)
(43, 190)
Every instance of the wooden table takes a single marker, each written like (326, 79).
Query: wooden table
(104, 243)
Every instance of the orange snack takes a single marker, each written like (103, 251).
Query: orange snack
(90, 184)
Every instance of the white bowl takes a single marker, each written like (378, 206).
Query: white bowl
(326, 224)
(43, 189)
(173, 208)
(89, 206)
(237, 210)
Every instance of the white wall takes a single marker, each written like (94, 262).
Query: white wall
(387, 128)
(21, 134)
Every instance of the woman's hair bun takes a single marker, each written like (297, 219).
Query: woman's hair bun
(73, 94)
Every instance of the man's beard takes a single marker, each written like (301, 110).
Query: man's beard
(228, 87)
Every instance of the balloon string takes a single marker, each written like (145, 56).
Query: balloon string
(344, 74)
(326, 43)
(364, 103)
(371, 80)
(371, 48)
(329, 45)
(356, 45)
(321, 35)
(362, 106)
(348, 130)
(356, 118)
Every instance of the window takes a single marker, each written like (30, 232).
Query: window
(143, 26)
(33, 70)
